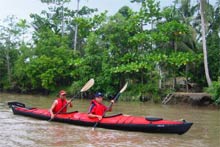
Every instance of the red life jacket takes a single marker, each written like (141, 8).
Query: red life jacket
(61, 103)
(98, 108)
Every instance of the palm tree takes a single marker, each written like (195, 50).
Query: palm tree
(205, 54)
(187, 15)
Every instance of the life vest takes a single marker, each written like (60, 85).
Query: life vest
(98, 109)
(61, 103)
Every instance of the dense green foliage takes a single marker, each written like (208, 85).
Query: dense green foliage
(214, 90)
(150, 48)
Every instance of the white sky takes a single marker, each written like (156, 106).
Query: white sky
(22, 8)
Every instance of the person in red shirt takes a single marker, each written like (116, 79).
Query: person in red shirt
(97, 109)
(60, 103)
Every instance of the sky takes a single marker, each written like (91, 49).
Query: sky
(23, 8)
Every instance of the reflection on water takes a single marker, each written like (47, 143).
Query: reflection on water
(19, 131)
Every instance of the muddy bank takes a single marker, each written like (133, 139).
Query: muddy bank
(198, 99)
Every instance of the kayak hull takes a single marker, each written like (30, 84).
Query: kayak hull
(115, 122)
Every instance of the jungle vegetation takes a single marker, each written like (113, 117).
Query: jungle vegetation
(151, 48)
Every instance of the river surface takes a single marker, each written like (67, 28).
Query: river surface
(20, 131)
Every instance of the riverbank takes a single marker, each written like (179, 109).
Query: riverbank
(177, 98)
(194, 99)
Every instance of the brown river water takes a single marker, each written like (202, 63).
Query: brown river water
(20, 131)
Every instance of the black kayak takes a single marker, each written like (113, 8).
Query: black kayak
(116, 122)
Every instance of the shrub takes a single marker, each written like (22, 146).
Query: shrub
(214, 91)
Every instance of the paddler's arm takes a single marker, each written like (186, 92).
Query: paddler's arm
(51, 109)
(90, 115)
(110, 107)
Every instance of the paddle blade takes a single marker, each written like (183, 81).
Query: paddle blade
(88, 85)
(124, 88)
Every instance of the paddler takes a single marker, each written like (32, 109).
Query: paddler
(60, 104)
(97, 109)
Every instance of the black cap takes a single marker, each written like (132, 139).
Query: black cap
(99, 94)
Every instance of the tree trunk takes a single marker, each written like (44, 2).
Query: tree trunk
(160, 76)
(205, 54)
(76, 27)
(62, 19)
(187, 78)
(8, 65)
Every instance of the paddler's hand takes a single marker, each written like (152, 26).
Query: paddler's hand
(52, 116)
(70, 103)
(99, 117)
(112, 101)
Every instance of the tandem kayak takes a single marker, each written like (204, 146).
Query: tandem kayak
(116, 122)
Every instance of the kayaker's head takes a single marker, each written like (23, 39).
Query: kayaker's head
(99, 97)
(62, 94)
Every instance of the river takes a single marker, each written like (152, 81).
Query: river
(20, 131)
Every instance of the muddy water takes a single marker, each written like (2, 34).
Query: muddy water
(20, 131)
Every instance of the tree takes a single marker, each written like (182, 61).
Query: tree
(213, 41)
(47, 65)
(9, 42)
(61, 3)
(205, 54)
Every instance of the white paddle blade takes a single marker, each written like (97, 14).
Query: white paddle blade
(123, 89)
(88, 85)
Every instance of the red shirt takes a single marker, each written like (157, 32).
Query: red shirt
(97, 108)
(60, 104)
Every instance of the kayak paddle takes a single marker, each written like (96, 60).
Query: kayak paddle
(86, 87)
(115, 99)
